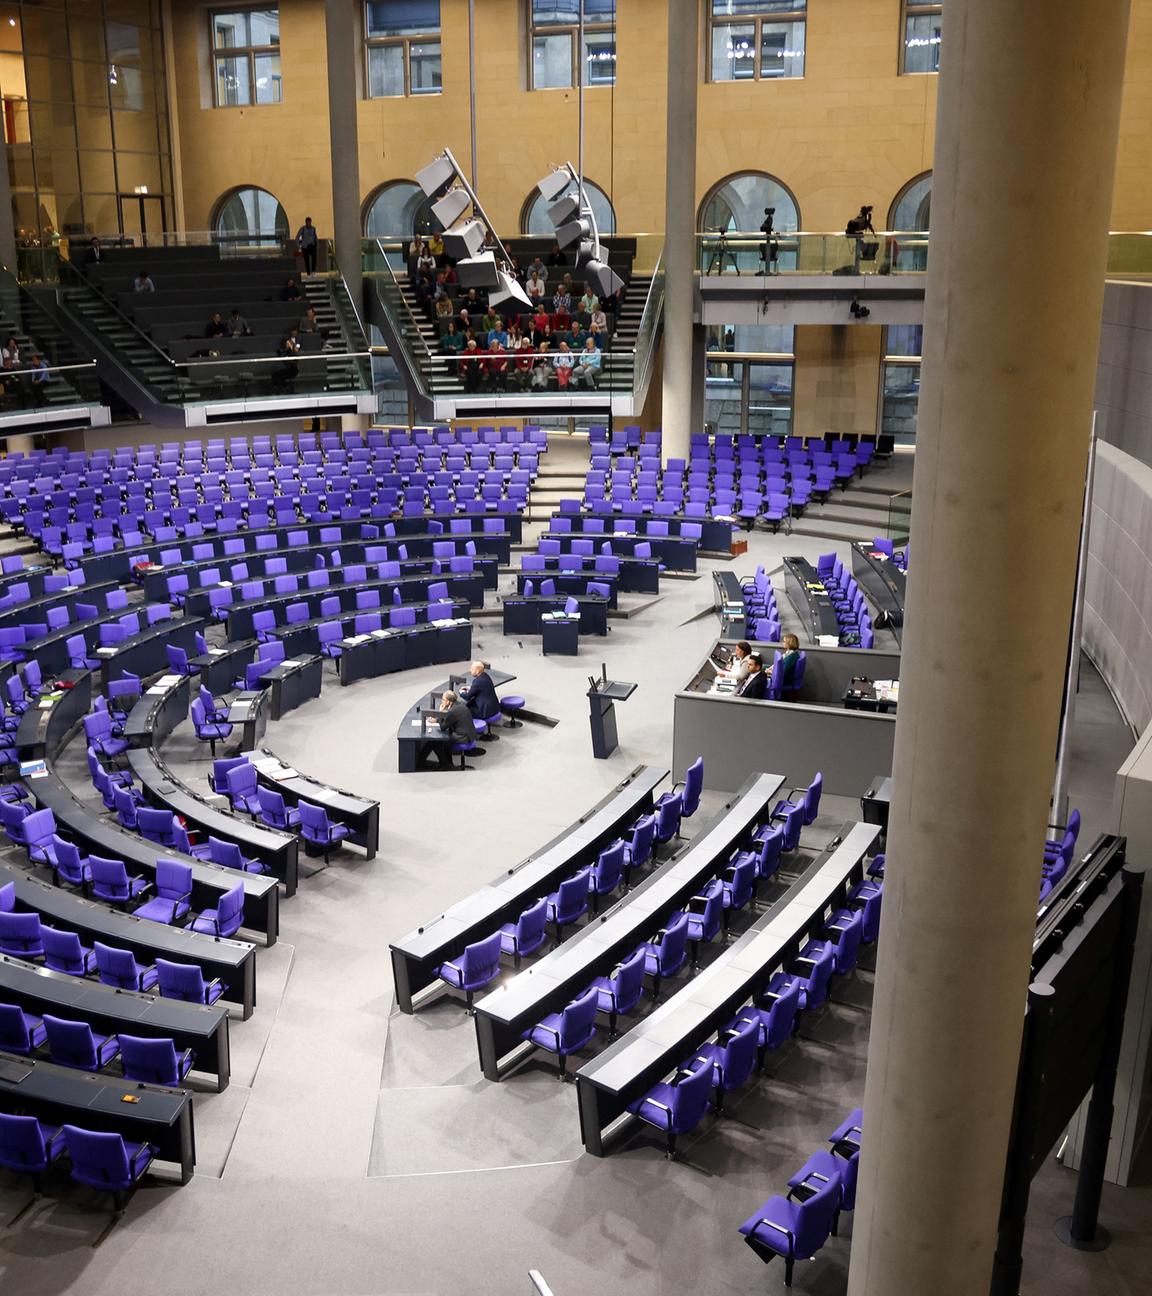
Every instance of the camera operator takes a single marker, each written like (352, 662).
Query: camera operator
(857, 227)
(770, 252)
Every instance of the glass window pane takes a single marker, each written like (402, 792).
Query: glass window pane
(232, 81)
(551, 62)
(269, 86)
(782, 49)
(742, 8)
(914, 209)
(385, 70)
(562, 12)
(770, 399)
(537, 222)
(424, 67)
(97, 172)
(126, 87)
(734, 52)
(403, 17)
(398, 211)
(722, 395)
(85, 39)
(739, 203)
(901, 401)
(600, 58)
(599, 11)
(249, 212)
(922, 43)
(246, 27)
(905, 339)
(123, 42)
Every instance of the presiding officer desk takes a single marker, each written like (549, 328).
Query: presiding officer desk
(413, 736)
(415, 957)
(96, 834)
(884, 583)
(58, 1095)
(278, 851)
(661, 1041)
(360, 815)
(555, 980)
(203, 1029)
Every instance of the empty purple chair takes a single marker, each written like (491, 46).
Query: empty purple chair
(621, 990)
(64, 953)
(118, 967)
(567, 1031)
(477, 967)
(318, 831)
(527, 933)
(570, 901)
(794, 1228)
(112, 883)
(185, 981)
(153, 1061)
(225, 919)
(173, 893)
(677, 1107)
(665, 954)
(733, 1058)
(28, 1146)
(75, 1044)
(20, 1032)
(107, 1162)
(21, 935)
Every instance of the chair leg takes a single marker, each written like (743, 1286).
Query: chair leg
(612, 1025)
(671, 1152)
(468, 997)
(788, 1263)
(656, 988)
(562, 1073)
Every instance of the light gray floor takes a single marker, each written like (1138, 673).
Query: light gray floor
(358, 1150)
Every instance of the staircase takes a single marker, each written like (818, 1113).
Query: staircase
(860, 511)
(563, 473)
(324, 294)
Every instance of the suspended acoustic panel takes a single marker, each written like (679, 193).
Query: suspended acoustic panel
(464, 240)
(477, 272)
(451, 207)
(436, 176)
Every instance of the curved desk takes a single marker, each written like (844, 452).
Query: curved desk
(359, 814)
(97, 834)
(636, 575)
(36, 609)
(503, 1016)
(676, 554)
(807, 595)
(202, 1029)
(232, 961)
(569, 583)
(656, 1045)
(146, 653)
(59, 1095)
(220, 667)
(884, 583)
(715, 533)
(411, 735)
(416, 956)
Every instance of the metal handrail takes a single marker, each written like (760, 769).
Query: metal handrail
(400, 337)
(649, 316)
(81, 281)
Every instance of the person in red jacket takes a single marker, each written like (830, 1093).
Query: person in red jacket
(496, 367)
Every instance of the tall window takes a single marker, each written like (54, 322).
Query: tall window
(246, 50)
(555, 35)
(403, 47)
(921, 36)
(757, 40)
(900, 389)
(250, 215)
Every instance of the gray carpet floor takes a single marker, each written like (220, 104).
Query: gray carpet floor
(359, 1151)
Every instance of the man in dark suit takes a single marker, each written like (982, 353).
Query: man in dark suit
(456, 725)
(754, 684)
(480, 696)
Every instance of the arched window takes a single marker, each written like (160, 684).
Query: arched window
(253, 214)
(398, 209)
(534, 216)
(912, 208)
(738, 204)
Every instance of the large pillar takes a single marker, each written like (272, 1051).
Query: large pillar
(343, 56)
(1029, 103)
(680, 225)
(7, 217)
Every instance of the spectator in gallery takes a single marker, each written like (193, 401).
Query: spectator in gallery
(496, 367)
(143, 283)
(542, 368)
(563, 362)
(306, 245)
(290, 291)
(536, 288)
(216, 326)
(599, 324)
(587, 369)
(237, 325)
(470, 363)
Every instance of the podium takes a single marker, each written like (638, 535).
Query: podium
(602, 714)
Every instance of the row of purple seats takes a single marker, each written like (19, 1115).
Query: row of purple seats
(852, 613)
(236, 779)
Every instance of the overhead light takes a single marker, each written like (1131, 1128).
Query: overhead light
(509, 290)
(552, 186)
(464, 240)
(436, 177)
(567, 209)
(603, 278)
(574, 230)
(451, 207)
(478, 272)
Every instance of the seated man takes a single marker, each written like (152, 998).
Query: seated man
(143, 283)
(754, 684)
(470, 370)
(563, 362)
(587, 368)
(455, 723)
(525, 360)
(496, 366)
(237, 325)
(290, 292)
(536, 287)
(542, 367)
(589, 302)
(480, 695)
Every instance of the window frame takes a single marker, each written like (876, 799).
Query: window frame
(916, 9)
(250, 52)
(405, 42)
(757, 20)
(572, 31)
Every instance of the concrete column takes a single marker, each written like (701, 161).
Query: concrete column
(680, 227)
(1029, 104)
(19, 445)
(7, 218)
(343, 79)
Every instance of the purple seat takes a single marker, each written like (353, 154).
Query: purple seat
(112, 883)
(733, 1058)
(107, 1162)
(570, 901)
(318, 830)
(677, 1106)
(621, 990)
(28, 1146)
(527, 933)
(118, 967)
(186, 982)
(75, 1044)
(567, 1031)
(64, 953)
(794, 1229)
(666, 954)
(173, 893)
(153, 1061)
(20, 1032)
(477, 966)
(225, 919)
(20, 935)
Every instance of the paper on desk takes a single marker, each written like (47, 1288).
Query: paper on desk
(285, 773)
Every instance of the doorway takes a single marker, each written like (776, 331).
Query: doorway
(143, 218)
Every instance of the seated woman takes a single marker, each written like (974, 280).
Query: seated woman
(739, 665)
(541, 326)
(791, 655)
(542, 369)
(598, 325)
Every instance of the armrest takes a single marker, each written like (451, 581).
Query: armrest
(145, 1149)
(778, 1227)
(810, 962)
(550, 1030)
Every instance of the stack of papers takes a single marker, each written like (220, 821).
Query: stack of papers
(33, 769)
(828, 641)
(167, 681)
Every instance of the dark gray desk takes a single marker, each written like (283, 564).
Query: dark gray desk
(503, 1016)
(291, 683)
(674, 553)
(883, 582)
(569, 583)
(146, 653)
(728, 603)
(806, 593)
(202, 1029)
(248, 712)
(636, 575)
(35, 610)
(233, 961)
(875, 805)
(60, 1095)
(522, 614)
(220, 667)
(416, 956)
(715, 533)
(666, 1037)
(382, 652)
(40, 725)
(278, 851)
(414, 590)
(359, 814)
(159, 710)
